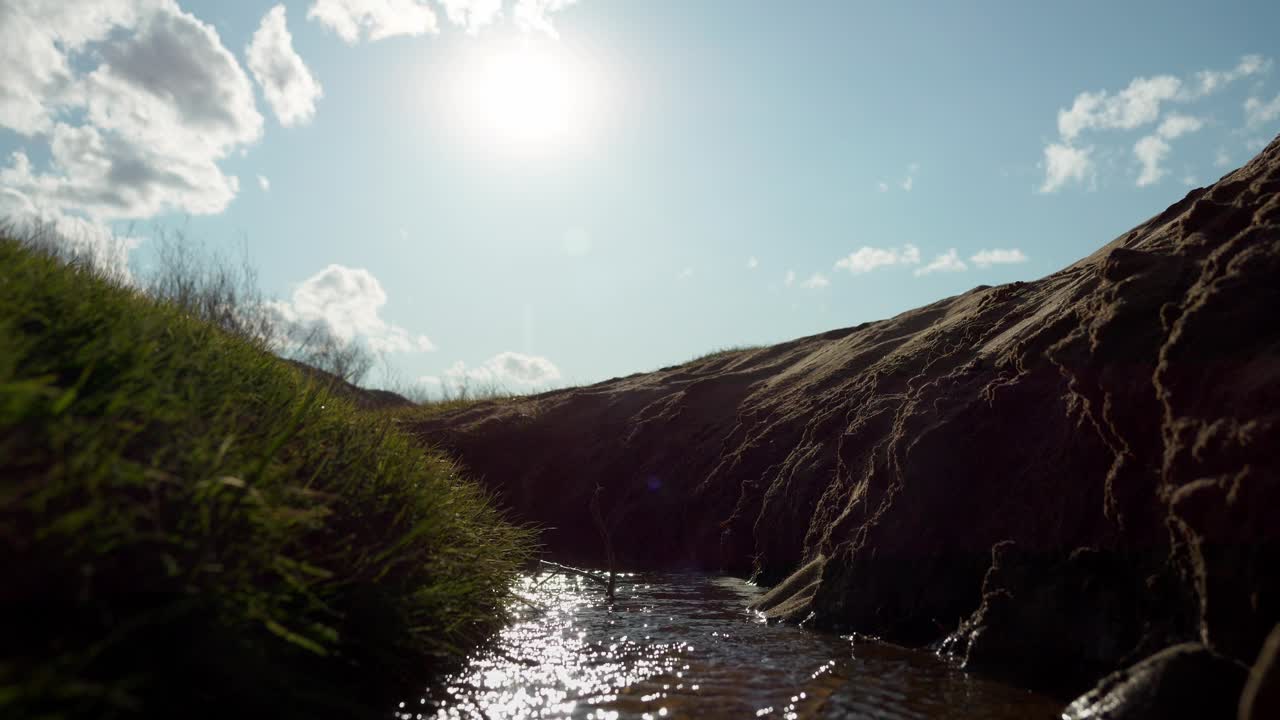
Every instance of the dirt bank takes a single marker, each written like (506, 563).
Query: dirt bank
(1059, 477)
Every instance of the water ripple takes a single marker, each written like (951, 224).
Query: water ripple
(674, 646)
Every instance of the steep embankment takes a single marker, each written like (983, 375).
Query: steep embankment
(1064, 474)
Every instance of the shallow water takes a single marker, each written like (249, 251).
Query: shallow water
(684, 646)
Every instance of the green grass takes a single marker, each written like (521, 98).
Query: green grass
(191, 528)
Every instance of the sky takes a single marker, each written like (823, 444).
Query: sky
(543, 193)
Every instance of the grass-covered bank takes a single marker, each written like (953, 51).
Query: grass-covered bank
(191, 527)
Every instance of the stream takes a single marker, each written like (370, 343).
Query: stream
(676, 645)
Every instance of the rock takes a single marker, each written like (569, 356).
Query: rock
(1184, 681)
(1117, 420)
(1261, 697)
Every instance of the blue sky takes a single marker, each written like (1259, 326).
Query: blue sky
(552, 192)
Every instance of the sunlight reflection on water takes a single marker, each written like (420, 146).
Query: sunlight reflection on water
(683, 646)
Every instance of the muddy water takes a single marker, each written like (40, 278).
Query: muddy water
(683, 646)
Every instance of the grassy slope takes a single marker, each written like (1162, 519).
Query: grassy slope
(187, 525)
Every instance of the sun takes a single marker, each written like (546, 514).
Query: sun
(526, 96)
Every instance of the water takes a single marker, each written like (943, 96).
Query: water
(684, 646)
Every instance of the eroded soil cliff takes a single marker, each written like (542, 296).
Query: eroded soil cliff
(1058, 477)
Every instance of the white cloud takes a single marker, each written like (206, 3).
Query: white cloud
(472, 14)
(1151, 151)
(1176, 125)
(264, 183)
(866, 259)
(816, 281)
(789, 279)
(36, 40)
(752, 263)
(1136, 105)
(1141, 103)
(685, 273)
(371, 20)
(1063, 164)
(1221, 158)
(429, 380)
(173, 83)
(1209, 81)
(504, 370)
(1251, 64)
(947, 262)
(347, 301)
(535, 15)
(287, 84)
(987, 258)
(882, 186)
(137, 123)
(1258, 113)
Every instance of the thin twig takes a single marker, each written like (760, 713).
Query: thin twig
(543, 581)
(574, 571)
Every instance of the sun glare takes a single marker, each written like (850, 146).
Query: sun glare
(533, 97)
